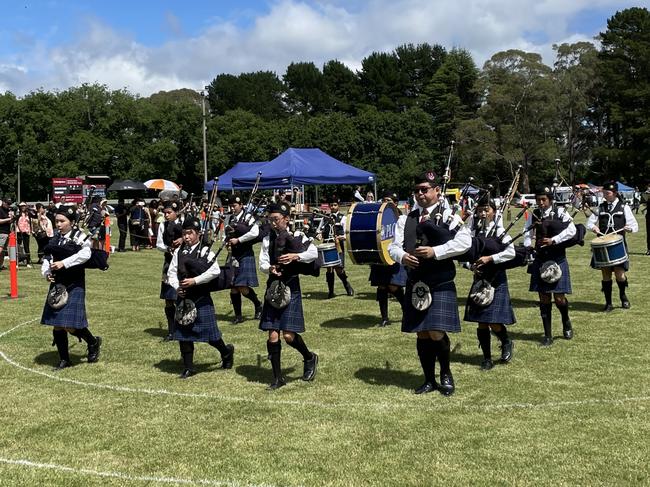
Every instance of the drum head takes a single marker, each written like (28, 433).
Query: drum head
(369, 231)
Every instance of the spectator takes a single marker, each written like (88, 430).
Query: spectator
(24, 230)
(6, 217)
(51, 211)
(121, 213)
(138, 225)
(357, 194)
(42, 230)
(370, 197)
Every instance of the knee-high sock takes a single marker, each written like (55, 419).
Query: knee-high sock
(275, 351)
(426, 352)
(399, 295)
(382, 299)
(220, 345)
(621, 289)
(253, 297)
(564, 311)
(235, 299)
(86, 336)
(61, 342)
(545, 310)
(330, 282)
(187, 354)
(484, 339)
(607, 290)
(170, 311)
(299, 344)
(502, 335)
(442, 351)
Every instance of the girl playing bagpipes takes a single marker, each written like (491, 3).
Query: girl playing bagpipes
(169, 238)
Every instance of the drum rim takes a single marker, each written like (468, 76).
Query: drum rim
(613, 238)
(384, 256)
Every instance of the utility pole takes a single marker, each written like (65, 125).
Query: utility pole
(205, 141)
(18, 178)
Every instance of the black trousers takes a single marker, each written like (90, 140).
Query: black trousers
(124, 231)
(23, 238)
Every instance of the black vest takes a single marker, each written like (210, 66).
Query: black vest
(171, 232)
(241, 227)
(282, 244)
(335, 224)
(416, 234)
(615, 217)
(192, 264)
(59, 249)
(547, 227)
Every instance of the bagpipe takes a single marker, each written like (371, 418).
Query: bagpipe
(286, 243)
(98, 257)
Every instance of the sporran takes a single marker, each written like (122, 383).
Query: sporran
(550, 272)
(278, 295)
(57, 297)
(482, 293)
(421, 296)
(185, 313)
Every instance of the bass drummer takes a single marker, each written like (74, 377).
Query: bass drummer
(332, 229)
(613, 216)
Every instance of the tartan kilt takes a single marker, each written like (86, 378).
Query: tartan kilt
(73, 314)
(442, 315)
(167, 292)
(246, 273)
(499, 311)
(205, 327)
(562, 286)
(290, 318)
(384, 275)
(625, 265)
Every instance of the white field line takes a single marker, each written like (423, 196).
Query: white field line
(381, 406)
(123, 476)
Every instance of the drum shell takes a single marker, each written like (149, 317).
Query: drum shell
(608, 251)
(369, 231)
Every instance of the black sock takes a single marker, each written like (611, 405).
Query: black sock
(187, 353)
(86, 336)
(607, 290)
(399, 295)
(484, 339)
(170, 312)
(61, 342)
(382, 299)
(344, 278)
(299, 344)
(502, 335)
(621, 289)
(275, 351)
(220, 345)
(235, 299)
(253, 297)
(330, 282)
(564, 310)
(545, 310)
(442, 351)
(424, 346)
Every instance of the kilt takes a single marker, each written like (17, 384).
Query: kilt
(499, 311)
(73, 314)
(384, 275)
(205, 327)
(290, 318)
(246, 273)
(625, 265)
(442, 315)
(167, 292)
(561, 286)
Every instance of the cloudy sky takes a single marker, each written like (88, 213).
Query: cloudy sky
(152, 45)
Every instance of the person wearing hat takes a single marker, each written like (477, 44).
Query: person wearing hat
(138, 225)
(24, 231)
(425, 242)
(388, 279)
(241, 233)
(497, 249)
(550, 226)
(613, 216)
(283, 257)
(332, 229)
(95, 221)
(6, 219)
(169, 238)
(192, 267)
(63, 266)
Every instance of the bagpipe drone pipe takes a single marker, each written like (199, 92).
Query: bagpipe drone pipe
(285, 243)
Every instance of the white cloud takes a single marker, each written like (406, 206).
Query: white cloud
(296, 31)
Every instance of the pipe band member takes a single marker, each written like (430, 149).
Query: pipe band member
(332, 229)
(169, 238)
(613, 216)
(192, 267)
(388, 279)
(63, 266)
(425, 241)
(498, 313)
(242, 233)
(550, 226)
(283, 257)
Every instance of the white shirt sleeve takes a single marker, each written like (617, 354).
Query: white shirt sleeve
(160, 244)
(396, 247)
(172, 272)
(458, 245)
(630, 221)
(528, 235)
(80, 257)
(509, 252)
(568, 232)
(592, 221)
(252, 233)
(212, 272)
(309, 255)
(264, 260)
(45, 268)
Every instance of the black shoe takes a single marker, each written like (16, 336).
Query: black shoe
(310, 366)
(277, 383)
(330, 295)
(506, 351)
(258, 312)
(186, 374)
(384, 323)
(228, 359)
(608, 307)
(168, 338)
(63, 364)
(625, 304)
(447, 386)
(487, 364)
(567, 330)
(426, 388)
(546, 342)
(237, 319)
(93, 350)
(349, 290)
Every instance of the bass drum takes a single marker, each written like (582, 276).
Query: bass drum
(369, 231)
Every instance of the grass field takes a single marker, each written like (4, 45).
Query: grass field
(574, 414)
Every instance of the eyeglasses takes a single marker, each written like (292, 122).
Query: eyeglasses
(276, 219)
(422, 190)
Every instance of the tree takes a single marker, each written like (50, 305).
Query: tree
(384, 85)
(305, 85)
(342, 86)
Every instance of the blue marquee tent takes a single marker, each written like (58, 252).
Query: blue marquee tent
(305, 167)
(241, 169)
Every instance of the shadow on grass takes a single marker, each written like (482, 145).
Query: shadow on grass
(175, 367)
(260, 374)
(52, 358)
(387, 377)
(156, 332)
(590, 306)
(352, 321)
(322, 295)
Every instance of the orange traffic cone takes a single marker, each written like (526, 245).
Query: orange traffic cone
(13, 266)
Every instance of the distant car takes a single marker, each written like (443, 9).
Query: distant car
(525, 199)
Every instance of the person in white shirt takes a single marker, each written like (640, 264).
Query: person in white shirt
(613, 216)
(169, 238)
(425, 241)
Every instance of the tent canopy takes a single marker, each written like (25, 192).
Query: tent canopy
(304, 166)
(622, 188)
(241, 169)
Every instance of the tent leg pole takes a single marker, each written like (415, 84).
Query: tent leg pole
(376, 189)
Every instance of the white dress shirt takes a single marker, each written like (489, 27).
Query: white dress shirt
(79, 258)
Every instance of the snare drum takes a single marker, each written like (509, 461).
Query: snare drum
(369, 231)
(608, 251)
(328, 255)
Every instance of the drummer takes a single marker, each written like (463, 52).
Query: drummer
(332, 229)
(613, 216)
(388, 279)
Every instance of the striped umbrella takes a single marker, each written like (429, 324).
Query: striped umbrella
(161, 184)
